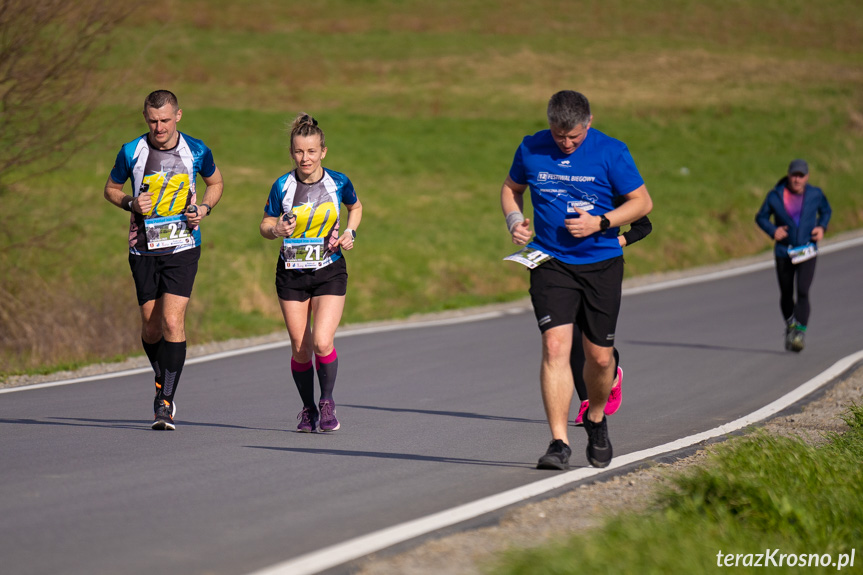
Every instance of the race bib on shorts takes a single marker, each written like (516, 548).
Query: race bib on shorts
(802, 253)
(168, 232)
(527, 256)
(305, 253)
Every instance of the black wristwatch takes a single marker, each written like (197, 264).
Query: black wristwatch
(209, 209)
(603, 223)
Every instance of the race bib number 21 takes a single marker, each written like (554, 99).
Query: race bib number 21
(304, 253)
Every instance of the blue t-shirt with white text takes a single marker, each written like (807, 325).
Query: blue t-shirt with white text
(589, 178)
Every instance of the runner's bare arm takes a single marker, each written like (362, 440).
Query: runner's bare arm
(355, 216)
(512, 204)
(114, 193)
(273, 227)
(212, 195)
(637, 204)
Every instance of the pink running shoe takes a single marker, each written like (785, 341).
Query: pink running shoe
(579, 419)
(616, 396)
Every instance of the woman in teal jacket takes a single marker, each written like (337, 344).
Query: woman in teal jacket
(800, 215)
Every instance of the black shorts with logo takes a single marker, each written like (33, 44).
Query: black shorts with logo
(300, 285)
(587, 295)
(170, 273)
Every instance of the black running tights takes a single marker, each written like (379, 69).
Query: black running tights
(786, 273)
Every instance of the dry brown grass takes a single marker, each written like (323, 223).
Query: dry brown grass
(44, 325)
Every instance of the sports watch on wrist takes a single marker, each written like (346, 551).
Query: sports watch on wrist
(209, 209)
(603, 223)
(352, 232)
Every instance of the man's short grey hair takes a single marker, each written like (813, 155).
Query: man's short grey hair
(567, 109)
(161, 98)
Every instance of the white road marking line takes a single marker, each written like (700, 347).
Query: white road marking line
(347, 332)
(335, 555)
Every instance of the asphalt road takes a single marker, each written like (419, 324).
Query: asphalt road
(432, 417)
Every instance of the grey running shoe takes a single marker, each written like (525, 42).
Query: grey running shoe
(164, 417)
(308, 420)
(789, 336)
(797, 339)
(557, 456)
(598, 445)
(328, 415)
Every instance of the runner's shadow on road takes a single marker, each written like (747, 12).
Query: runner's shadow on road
(396, 456)
(705, 346)
(464, 414)
(73, 422)
(136, 424)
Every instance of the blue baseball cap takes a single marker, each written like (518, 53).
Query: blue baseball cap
(798, 167)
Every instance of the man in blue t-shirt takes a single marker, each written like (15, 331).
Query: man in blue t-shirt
(574, 173)
(164, 237)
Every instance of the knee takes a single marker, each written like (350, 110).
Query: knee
(556, 349)
(151, 332)
(173, 326)
(602, 360)
(323, 348)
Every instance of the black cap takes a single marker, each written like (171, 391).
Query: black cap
(798, 167)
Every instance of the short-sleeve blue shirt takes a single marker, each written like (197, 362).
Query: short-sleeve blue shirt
(589, 178)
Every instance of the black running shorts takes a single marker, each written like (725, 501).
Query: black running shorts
(587, 295)
(171, 273)
(300, 285)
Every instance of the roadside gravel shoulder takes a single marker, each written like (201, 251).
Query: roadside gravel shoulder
(471, 552)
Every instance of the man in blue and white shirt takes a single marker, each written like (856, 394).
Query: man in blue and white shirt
(164, 234)
(574, 173)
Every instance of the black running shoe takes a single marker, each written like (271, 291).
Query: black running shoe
(557, 456)
(164, 417)
(598, 444)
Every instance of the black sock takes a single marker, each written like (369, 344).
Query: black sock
(304, 378)
(152, 351)
(327, 368)
(172, 359)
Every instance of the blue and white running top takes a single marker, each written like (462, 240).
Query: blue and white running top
(316, 207)
(589, 178)
(169, 175)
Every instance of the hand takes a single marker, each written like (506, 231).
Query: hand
(521, 233)
(621, 239)
(582, 226)
(817, 234)
(142, 204)
(781, 233)
(194, 215)
(285, 226)
(346, 241)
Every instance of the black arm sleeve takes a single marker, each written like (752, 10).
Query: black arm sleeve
(638, 230)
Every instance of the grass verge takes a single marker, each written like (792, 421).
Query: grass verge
(790, 502)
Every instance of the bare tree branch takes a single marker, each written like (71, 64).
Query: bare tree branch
(49, 53)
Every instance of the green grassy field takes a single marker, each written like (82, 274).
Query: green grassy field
(764, 495)
(423, 105)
